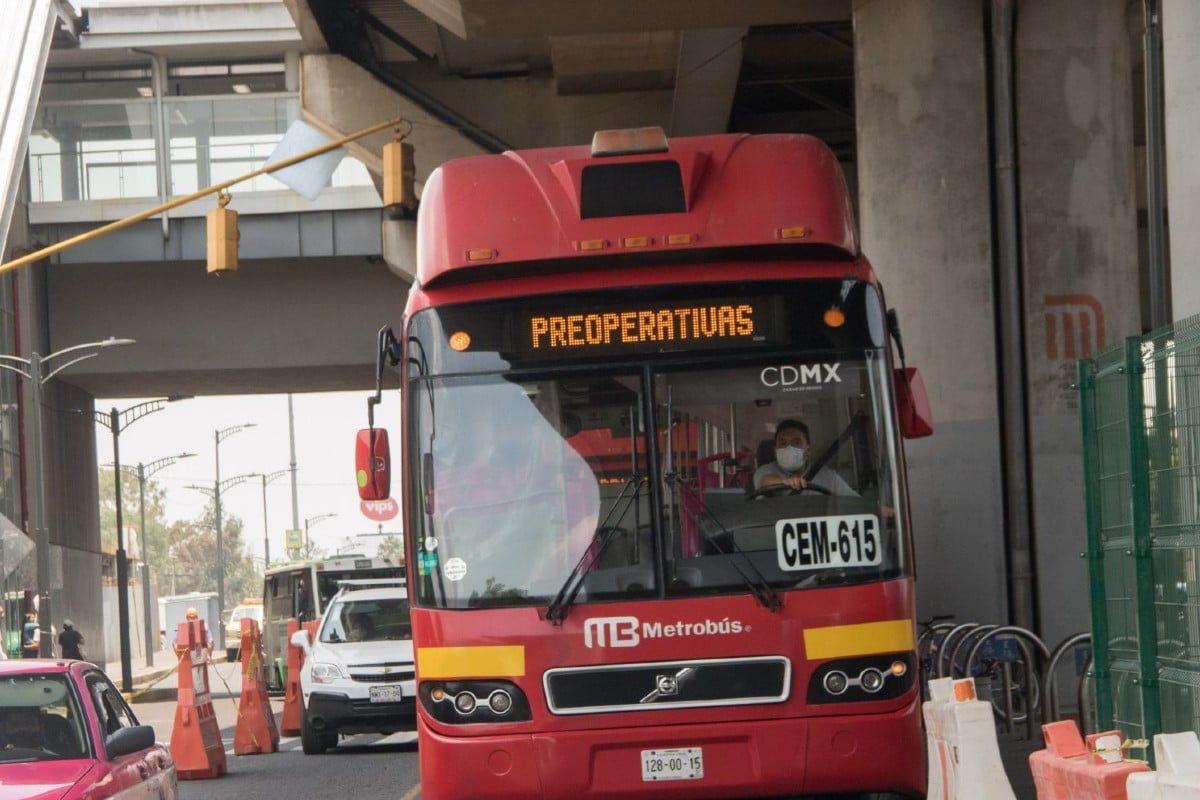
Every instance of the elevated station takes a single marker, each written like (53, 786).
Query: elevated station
(1001, 157)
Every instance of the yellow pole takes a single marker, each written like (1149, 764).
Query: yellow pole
(179, 201)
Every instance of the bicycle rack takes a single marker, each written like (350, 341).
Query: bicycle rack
(968, 636)
(929, 644)
(1049, 695)
(940, 671)
(1023, 637)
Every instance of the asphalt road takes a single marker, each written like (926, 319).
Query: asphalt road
(362, 767)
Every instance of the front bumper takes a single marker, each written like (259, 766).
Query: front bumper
(336, 711)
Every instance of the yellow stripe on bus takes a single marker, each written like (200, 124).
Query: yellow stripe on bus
(471, 662)
(864, 639)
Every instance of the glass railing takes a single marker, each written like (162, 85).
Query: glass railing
(94, 151)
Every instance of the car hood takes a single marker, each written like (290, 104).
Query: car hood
(42, 780)
(391, 651)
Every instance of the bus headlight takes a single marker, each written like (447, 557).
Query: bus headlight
(860, 679)
(460, 702)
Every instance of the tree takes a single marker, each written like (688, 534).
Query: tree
(182, 554)
(199, 544)
(156, 523)
(392, 547)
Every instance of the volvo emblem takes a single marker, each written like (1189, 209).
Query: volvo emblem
(668, 685)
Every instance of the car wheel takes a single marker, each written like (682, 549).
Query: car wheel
(312, 742)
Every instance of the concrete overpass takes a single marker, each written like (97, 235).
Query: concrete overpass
(997, 149)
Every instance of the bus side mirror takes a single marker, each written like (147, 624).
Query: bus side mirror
(373, 464)
(912, 404)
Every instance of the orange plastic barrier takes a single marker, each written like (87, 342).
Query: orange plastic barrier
(289, 725)
(1072, 769)
(255, 731)
(196, 742)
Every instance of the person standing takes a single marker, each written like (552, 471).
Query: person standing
(31, 637)
(71, 641)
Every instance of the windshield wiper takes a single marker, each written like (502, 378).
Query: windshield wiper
(556, 612)
(758, 585)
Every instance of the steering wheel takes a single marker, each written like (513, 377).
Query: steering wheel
(781, 489)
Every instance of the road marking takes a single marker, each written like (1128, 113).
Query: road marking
(412, 793)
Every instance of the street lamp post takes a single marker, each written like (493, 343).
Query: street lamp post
(32, 369)
(267, 478)
(308, 523)
(215, 493)
(117, 421)
(144, 471)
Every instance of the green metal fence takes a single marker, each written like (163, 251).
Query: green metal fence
(1140, 411)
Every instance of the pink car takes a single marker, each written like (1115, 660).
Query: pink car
(66, 733)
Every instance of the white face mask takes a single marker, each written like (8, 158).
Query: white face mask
(790, 458)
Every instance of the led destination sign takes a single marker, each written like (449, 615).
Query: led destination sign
(650, 327)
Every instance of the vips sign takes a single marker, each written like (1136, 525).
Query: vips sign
(379, 510)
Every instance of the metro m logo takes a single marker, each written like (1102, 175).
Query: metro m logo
(611, 632)
(1081, 320)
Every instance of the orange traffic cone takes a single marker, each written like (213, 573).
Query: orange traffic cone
(255, 731)
(196, 742)
(289, 725)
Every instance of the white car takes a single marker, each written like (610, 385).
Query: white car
(358, 676)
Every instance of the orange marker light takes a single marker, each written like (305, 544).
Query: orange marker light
(593, 244)
(460, 341)
(898, 668)
(835, 317)
(636, 241)
(481, 254)
(438, 694)
(793, 232)
(680, 238)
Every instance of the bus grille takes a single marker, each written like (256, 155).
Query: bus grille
(668, 684)
(393, 674)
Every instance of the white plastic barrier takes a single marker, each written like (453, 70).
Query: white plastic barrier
(1177, 756)
(964, 755)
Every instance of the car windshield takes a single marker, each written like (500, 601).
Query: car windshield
(249, 612)
(40, 719)
(529, 483)
(367, 620)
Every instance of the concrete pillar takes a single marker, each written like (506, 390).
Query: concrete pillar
(1080, 259)
(923, 176)
(1181, 108)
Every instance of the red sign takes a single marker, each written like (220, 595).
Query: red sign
(379, 510)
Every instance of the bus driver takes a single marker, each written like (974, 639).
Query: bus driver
(792, 456)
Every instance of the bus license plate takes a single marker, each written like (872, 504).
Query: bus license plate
(675, 764)
(386, 694)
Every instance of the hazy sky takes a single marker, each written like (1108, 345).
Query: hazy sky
(325, 426)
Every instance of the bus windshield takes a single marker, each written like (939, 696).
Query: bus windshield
(642, 475)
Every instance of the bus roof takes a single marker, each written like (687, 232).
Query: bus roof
(703, 192)
(336, 563)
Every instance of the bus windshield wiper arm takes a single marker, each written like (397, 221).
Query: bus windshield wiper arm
(758, 585)
(556, 612)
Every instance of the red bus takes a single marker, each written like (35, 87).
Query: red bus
(596, 354)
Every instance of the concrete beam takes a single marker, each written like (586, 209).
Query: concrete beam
(339, 97)
(614, 62)
(706, 79)
(275, 325)
(522, 19)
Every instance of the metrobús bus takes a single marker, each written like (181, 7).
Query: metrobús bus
(595, 355)
(288, 594)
